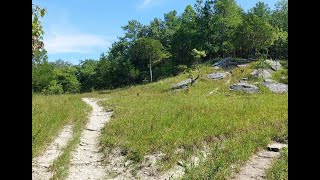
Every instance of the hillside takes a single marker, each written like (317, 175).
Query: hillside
(155, 130)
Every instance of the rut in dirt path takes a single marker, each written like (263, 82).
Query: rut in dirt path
(255, 168)
(41, 164)
(86, 160)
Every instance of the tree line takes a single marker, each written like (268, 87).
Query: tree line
(163, 48)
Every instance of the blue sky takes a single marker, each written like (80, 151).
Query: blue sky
(82, 29)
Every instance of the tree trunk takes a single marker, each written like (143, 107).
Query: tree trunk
(150, 70)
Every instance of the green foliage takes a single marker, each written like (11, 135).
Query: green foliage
(198, 54)
(40, 57)
(65, 74)
(145, 52)
(53, 88)
(280, 15)
(281, 76)
(37, 30)
(227, 17)
(42, 75)
(87, 75)
(256, 34)
(185, 38)
(132, 30)
(261, 10)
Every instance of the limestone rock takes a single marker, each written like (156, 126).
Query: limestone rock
(246, 87)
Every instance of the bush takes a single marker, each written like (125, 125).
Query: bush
(53, 88)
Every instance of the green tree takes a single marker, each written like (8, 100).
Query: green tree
(206, 27)
(172, 24)
(66, 75)
(280, 15)
(279, 19)
(156, 30)
(198, 55)
(42, 75)
(87, 74)
(227, 17)
(37, 30)
(40, 57)
(255, 34)
(147, 51)
(261, 10)
(185, 38)
(132, 30)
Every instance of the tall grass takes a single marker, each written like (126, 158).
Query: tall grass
(151, 118)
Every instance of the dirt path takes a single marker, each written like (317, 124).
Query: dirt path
(42, 163)
(255, 168)
(86, 159)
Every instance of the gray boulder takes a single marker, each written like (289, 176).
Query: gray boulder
(224, 62)
(182, 84)
(249, 88)
(243, 65)
(270, 81)
(228, 61)
(276, 87)
(216, 75)
(265, 73)
(275, 65)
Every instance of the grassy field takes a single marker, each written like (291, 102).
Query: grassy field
(49, 115)
(151, 118)
(279, 170)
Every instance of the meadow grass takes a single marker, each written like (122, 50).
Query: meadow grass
(151, 118)
(279, 170)
(281, 76)
(49, 115)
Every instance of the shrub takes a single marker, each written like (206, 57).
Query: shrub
(53, 88)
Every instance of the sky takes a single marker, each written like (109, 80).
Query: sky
(83, 29)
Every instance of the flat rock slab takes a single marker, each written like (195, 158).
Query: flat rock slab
(216, 75)
(182, 84)
(276, 147)
(265, 73)
(275, 65)
(228, 61)
(276, 87)
(223, 62)
(243, 65)
(246, 87)
(270, 81)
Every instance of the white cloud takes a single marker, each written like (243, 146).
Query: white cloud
(146, 3)
(64, 42)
